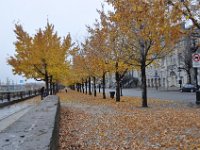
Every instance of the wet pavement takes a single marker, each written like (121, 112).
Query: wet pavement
(9, 114)
(36, 129)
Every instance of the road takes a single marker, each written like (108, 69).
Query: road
(160, 94)
(10, 114)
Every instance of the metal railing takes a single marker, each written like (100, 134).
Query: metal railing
(17, 95)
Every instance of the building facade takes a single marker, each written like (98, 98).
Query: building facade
(173, 70)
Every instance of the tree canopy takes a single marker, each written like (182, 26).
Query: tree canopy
(41, 56)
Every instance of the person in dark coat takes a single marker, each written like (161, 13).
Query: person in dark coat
(66, 89)
(42, 93)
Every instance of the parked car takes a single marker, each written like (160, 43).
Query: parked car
(188, 88)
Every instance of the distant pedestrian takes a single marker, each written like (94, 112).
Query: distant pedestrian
(99, 88)
(42, 93)
(66, 89)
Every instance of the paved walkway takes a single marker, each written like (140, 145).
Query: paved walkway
(163, 94)
(9, 114)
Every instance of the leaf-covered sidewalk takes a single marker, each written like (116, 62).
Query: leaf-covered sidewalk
(89, 123)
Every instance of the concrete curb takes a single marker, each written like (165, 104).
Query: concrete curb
(36, 130)
(55, 135)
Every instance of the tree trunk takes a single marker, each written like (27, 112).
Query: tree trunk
(83, 87)
(99, 88)
(103, 84)
(55, 88)
(86, 86)
(144, 85)
(54, 92)
(95, 91)
(117, 78)
(77, 87)
(121, 94)
(47, 83)
(90, 93)
(189, 77)
(46, 79)
(51, 90)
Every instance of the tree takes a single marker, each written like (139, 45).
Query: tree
(88, 62)
(117, 43)
(186, 58)
(43, 56)
(188, 8)
(150, 30)
(98, 50)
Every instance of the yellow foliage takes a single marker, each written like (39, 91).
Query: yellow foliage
(41, 55)
(149, 28)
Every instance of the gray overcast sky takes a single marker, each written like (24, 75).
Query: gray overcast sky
(67, 16)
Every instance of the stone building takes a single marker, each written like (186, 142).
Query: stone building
(176, 67)
(170, 71)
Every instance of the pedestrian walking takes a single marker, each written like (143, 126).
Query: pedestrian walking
(42, 93)
(66, 89)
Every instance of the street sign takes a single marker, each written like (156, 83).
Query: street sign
(21, 81)
(196, 60)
